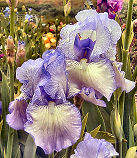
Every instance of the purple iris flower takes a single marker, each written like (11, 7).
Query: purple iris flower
(90, 49)
(110, 6)
(53, 122)
(94, 148)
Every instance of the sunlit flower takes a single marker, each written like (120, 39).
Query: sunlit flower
(90, 49)
(110, 6)
(94, 148)
(53, 122)
(49, 40)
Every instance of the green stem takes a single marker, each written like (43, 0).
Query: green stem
(11, 72)
(134, 74)
(120, 148)
(121, 106)
(11, 131)
(66, 19)
(68, 152)
(64, 2)
(124, 60)
(128, 24)
(12, 21)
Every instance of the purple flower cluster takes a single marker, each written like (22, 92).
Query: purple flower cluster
(83, 64)
(110, 6)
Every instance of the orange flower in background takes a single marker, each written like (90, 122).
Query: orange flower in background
(49, 40)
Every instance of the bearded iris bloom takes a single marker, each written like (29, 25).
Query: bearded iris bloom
(90, 49)
(53, 122)
(94, 148)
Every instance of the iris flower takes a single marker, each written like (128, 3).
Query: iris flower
(94, 148)
(53, 122)
(90, 49)
(110, 6)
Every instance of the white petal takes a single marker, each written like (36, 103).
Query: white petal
(54, 127)
(99, 76)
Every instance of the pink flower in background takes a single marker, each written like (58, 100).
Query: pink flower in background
(110, 6)
(2, 55)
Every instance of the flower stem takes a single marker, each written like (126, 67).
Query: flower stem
(12, 21)
(68, 152)
(128, 24)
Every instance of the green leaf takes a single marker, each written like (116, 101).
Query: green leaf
(5, 104)
(107, 136)
(1, 124)
(30, 148)
(95, 117)
(131, 135)
(95, 131)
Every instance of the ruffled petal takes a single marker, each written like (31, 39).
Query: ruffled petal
(56, 86)
(121, 82)
(103, 40)
(96, 75)
(54, 127)
(89, 95)
(30, 74)
(17, 117)
(115, 30)
(66, 42)
(91, 148)
(84, 14)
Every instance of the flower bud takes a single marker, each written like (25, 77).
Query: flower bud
(11, 4)
(23, 8)
(132, 152)
(67, 8)
(20, 56)
(10, 52)
(117, 127)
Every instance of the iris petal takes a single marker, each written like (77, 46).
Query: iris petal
(94, 148)
(88, 94)
(121, 82)
(17, 117)
(54, 127)
(56, 85)
(29, 74)
(92, 75)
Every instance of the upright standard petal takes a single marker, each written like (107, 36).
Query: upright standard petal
(94, 26)
(56, 85)
(94, 148)
(53, 127)
(17, 117)
(92, 75)
(30, 74)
